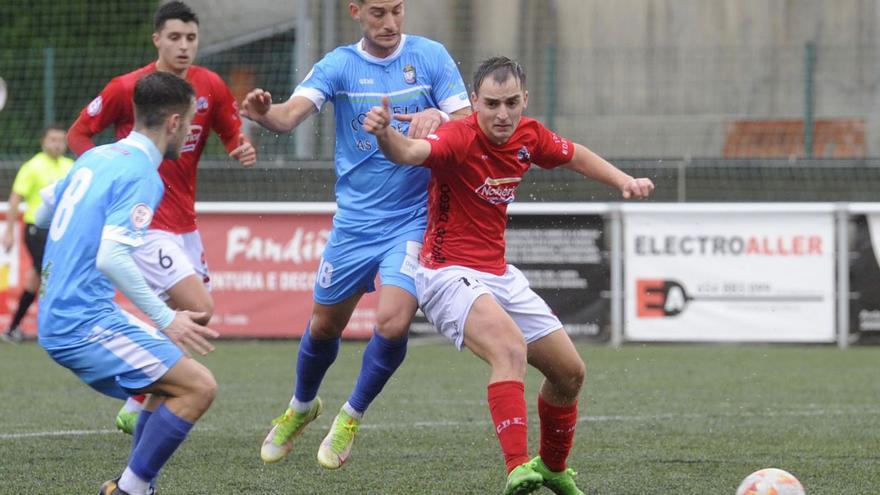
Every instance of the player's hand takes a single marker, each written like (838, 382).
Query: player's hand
(637, 188)
(421, 124)
(256, 104)
(8, 239)
(378, 118)
(189, 335)
(246, 154)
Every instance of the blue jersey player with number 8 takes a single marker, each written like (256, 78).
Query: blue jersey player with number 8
(96, 216)
(381, 214)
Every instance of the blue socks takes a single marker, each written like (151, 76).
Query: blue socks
(143, 417)
(312, 362)
(157, 440)
(381, 359)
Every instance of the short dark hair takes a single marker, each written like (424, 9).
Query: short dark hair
(173, 10)
(500, 68)
(158, 95)
(54, 126)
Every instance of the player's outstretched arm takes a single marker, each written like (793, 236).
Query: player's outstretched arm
(589, 164)
(279, 117)
(394, 145)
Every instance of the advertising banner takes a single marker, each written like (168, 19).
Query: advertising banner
(864, 276)
(262, 269)
(726, 275)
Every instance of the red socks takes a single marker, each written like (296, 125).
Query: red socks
(507, 404)
(557, 433)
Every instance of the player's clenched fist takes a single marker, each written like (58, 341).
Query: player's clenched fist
(256, 103)
(378, 118)
(637, 189)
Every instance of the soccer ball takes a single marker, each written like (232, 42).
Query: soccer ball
(770, 481)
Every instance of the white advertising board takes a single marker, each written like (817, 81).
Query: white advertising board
(729, 276)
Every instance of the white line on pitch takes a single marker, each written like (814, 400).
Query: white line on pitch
(454, 423)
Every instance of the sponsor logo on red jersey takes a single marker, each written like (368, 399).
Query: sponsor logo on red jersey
(499, 191)
(192, 139)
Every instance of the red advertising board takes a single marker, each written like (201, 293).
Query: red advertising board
(263, 270)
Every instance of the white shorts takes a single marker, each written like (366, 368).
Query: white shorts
(446, 296)
(166, 258)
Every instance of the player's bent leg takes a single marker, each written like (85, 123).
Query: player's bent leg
(191, 294)
(189, 389)
(384, 353)
(556, 357)
(493, 336)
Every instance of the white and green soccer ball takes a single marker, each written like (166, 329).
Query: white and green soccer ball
(770, 481)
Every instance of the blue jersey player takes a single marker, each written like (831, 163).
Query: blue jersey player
(96, 216)
(381, 214)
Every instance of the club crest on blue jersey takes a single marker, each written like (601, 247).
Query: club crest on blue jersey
(409, 74)
(523, 155)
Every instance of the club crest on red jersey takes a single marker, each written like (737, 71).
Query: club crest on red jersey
(523, 155)
(409, 74)
(201, 104)
(499, 191)
(95, 106)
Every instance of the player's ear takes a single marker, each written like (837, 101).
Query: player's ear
(473, 98)
(173, 123)
(156, 37)
(354, 11)
(525, 99)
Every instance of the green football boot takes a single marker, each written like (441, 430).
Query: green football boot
(279, 442)
(336, 446)
(560, 483)
(523, 479)
(126, 421)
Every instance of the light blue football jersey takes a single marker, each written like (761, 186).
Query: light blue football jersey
(111, 192)
(420, 74)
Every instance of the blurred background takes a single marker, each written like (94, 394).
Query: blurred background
(727, 100)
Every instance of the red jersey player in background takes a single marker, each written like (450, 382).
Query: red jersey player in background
(172, 257)
(465, 287)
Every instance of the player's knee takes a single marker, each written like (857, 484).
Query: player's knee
(570, 383)
(323, 327)
(204, 389)
(510, 357)
(393, 326)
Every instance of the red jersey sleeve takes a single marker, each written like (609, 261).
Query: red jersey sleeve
(99, 114)
(446, 142)
(553, 150)
(226, 122)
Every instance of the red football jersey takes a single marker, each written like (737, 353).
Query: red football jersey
(215, 109)
(472, 182)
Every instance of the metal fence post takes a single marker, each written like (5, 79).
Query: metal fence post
(842, 217)
(616, 235)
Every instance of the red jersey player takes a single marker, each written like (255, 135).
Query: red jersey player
(172, 257)
(465, 287)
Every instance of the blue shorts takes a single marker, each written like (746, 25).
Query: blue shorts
(121, 356)
(351, 261)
